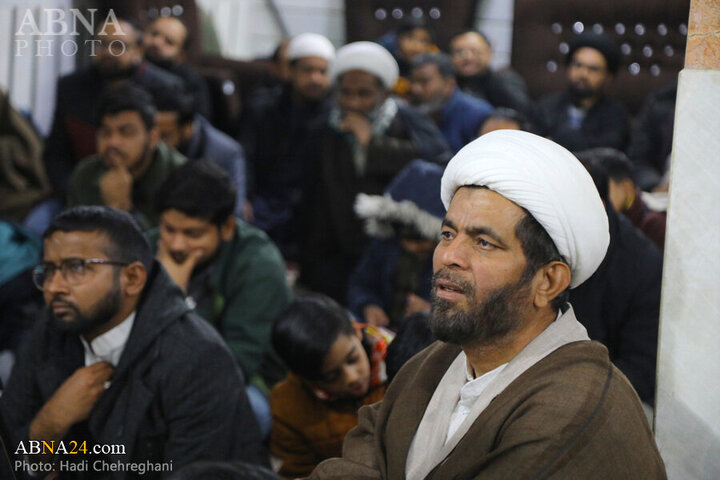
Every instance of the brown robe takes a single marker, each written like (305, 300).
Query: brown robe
(572, 415)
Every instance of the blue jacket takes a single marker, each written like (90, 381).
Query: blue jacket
(373, 279)
(461, 118)
(210, 143)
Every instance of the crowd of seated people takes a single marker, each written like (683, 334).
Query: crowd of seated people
(203, 298)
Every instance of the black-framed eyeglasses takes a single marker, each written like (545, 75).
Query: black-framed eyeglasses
(73, 270)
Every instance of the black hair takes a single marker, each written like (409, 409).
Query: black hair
(127, 96)
(600, 42)
(176, 101)
(595, 167)
(198, 189)
(441, 60)
(510, 114)
(411, 23)
(413, 335)
(304, 333)
(216, 470)
(477, 32)
(126, 242)
(616, 164)
(539, 250)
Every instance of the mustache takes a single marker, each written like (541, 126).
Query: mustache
(59, 301)
(444, 273)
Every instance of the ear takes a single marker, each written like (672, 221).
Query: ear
(154, 136)
(552, 279)
(186, 131)
(133, 279)
(227, 229)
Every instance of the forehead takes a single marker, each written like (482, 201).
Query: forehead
(61, 245)
(590, 56)
(125, 117)
(167, 119)
(426, 70)
(359, 79)
(311, 62)
(125, 32)
(480, 207)
(418, 33)
(170, 27)
(180, 221)
(470, 39)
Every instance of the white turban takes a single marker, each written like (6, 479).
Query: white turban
(310, 45)
(369, 57)
(545, 179)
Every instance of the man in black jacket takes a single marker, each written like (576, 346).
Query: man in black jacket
(583, 116)
(121, 361)
(620, 303)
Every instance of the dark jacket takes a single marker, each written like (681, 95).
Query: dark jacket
(500, 89)
(241, 293)
(620, 303)
(333, 235)
(85, 183)
(72, 136)
(210, 143)
(461, 118)
(651, 139)
(373, 281)
(162, 404)
(606, 124)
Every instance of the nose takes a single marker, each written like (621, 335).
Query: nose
(177, 243)
(451, 253)
(352, 376)
(56, 283)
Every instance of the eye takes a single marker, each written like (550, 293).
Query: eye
(485, 244)
(446, 235)
(76, 267)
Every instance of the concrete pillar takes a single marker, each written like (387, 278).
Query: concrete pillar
(687, 421)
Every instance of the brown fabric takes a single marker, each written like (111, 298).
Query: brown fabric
(572, 415)
(23, 181)
(307, 430)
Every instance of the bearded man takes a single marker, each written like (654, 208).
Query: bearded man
(119, 359)
(583, 116)
(515, 389)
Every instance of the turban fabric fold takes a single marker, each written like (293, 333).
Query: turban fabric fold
(369, 57)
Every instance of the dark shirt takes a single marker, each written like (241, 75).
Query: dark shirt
(605, 124)
(500, 89)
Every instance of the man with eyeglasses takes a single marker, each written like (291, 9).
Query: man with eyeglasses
(583, 116)
(121, 360)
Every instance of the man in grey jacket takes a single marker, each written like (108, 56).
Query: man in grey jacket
(121, 370)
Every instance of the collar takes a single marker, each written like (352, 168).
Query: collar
(109, 346)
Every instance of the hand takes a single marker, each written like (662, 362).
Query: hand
(116, 187)
(359, 125)
(415, 304)
(375, 315)
(179, 272)
(72, 402)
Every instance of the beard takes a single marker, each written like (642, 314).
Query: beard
(580, 93)
(153, 57)
(497, 314)
(100, 313)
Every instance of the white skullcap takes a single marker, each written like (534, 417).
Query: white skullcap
(310, 45)
(369, 57)
(545, 179)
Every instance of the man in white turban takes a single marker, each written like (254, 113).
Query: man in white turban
(276, 128)
(515, 389)
(367, 140)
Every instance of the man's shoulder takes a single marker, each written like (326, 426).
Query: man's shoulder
(217, 141)
(554, 100)
(89, 168)
(151, 76)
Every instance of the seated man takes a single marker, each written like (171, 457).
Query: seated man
(131, 162)
(433, 90)
(620, 303)
(515, 389)
(367, 140)
(182, 128)
(118, 57)
(231, 273)
(394, 276)
(471, 54)
(167, 41)
(121, 360)
(583, 116)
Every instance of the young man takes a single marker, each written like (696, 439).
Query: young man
(583, 116)
(231, 273)
(433, 90)
(515, 389)
(131, 162)
(121, 360)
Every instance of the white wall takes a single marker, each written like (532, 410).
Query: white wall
(246, 28)
(29, 73)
